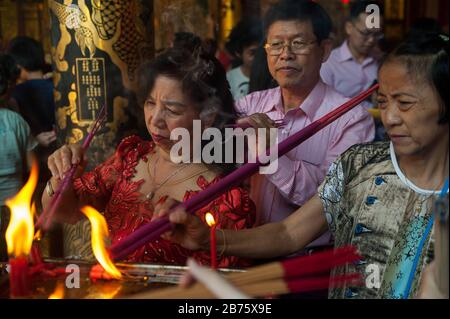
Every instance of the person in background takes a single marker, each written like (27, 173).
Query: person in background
(352, 67)
(34, 97)
(243, 43)
(16, 146)
(260, 77)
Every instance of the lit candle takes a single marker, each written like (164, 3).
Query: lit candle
(213, 246)
(19, 277)
(19, 236)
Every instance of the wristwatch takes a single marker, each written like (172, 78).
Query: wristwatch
(49, 189)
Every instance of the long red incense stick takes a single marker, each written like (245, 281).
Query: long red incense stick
(153, 230)
(319, 262)
(45, 219)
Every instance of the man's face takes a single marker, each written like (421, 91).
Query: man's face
(360, 38)
(298, 64)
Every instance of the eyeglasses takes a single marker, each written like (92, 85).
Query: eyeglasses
(378, 35)
(297, 46)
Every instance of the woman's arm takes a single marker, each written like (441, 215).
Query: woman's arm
(59, 163)
(267, 241)
(277, 239)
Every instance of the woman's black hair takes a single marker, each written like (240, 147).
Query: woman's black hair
(203, 80)
(27, 52)
(246, 33)
(426, 57)
(260, 77)
(9, 73)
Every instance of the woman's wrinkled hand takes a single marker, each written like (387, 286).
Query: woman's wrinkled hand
(61, 161)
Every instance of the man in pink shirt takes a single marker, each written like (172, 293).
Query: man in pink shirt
(297, 44)
(353, 67)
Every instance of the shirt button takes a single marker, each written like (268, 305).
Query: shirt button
(379, 180)
(350, 293)
(371, 200)
(360, 262)
(361, 229)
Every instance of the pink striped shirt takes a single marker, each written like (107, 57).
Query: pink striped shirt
(301, 171)
(342, 72)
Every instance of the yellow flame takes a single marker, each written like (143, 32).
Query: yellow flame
(210, 219)
(59, 291)
(99, 231)
(20, 231)
(38, 235)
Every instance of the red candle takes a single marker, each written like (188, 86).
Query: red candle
(19, 277)
(213, 246)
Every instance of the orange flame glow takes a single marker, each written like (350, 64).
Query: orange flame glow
(210, 219)
(59, 291)
(20, 231)
(99, 231)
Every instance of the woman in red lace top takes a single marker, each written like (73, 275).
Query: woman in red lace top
(176, 88)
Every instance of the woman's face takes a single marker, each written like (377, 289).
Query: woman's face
(410, 111)
(166, 109)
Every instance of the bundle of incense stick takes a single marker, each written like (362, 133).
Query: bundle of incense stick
(154, 229)
(45, 219)
(297, 275)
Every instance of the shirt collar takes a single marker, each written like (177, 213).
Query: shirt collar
(344, 52)
(314, 100)
(346, 55)
(309, 106)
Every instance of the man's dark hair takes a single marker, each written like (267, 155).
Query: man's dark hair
(246, 33)
(360, 6)
(27, 52)
(300, 10)
(426, 59)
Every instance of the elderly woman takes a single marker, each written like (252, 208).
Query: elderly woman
(177, 87)
(377, 197)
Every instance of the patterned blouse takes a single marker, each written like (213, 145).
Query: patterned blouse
(369, 203)
(110, 188)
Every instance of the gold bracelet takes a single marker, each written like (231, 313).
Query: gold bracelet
(224, 243)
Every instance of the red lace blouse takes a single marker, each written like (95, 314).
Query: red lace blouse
(110, 189)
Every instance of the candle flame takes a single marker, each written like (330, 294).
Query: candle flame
(210, 219)
(20, 232)
(59, 292)
(99, 231)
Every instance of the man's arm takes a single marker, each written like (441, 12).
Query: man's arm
(297, 180)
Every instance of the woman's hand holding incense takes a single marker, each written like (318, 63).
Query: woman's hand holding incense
(61, 161)
(189, 231)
